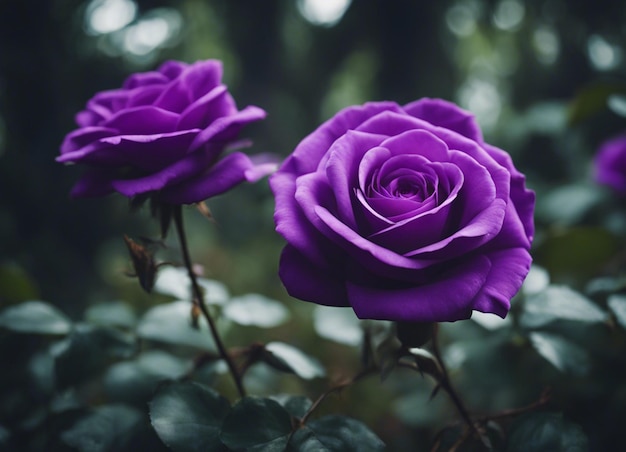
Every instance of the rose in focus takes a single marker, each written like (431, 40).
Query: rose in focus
(610, 164)
(404, 214)
(164, 134)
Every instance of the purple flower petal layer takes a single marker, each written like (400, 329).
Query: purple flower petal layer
(403, 213)
(163, 134)
(610, 164)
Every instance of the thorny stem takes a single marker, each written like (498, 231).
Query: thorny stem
(199, 302)
(364, 373)
(446, 385)
(544, 398)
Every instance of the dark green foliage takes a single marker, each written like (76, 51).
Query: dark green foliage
(256, 424)
(546, 432)
(335, 433)
(35, 317)
(106, 428)
(593, 99)
(92, 347)
(188, 416)
(296, 405)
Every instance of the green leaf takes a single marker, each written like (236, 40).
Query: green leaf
(136, 380)
(35, 317)
(567, 204)
(617, 304)
(171, 323)
(617, 104)
(15, 284)
(419, 409)
(288, 358)
(296, 405)
(548, 118)
(188, 417)
(101, 430)
(605, 285)
(536, 281)
(256, 424)
(115, 313)
(539, 432)
(559, 303)
(575, 254)
(86, 351)
(593, 99)
(41, 370)
(337, 324)
(490, 321)
(256, 310)
(174, 281)
(561, 353)
(336, 433)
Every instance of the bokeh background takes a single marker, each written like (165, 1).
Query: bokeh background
(536, 74)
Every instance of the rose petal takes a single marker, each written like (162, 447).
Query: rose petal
(172, 69)
(143, 96)
(195, 81)
(144, 152)
(225, 174)
(88, 118)
(509, 268)
(312, 149)
(144, 120)
(448, 299)
(480, 230)
(342, 168)
(482, 187)
(420, 229)
(512, 234)
(405, 184)
(420, 142)
(293, 225)
(101, 107)
(523, 198)
(81, 137)
(174, 174)
(144, 79)
(445, 114)
(94, 182)
(202, 77)
(370, 219)
(204, 111)
(308, 282)
(375, 258)
(393, 123)
(109, 102)
(226, 128)
(264, 164)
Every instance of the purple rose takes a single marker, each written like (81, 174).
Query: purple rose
(163, 134)
(403, 213)
(610, 164)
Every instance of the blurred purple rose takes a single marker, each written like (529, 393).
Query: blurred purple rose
(163, 134)
(610, 164)
(403, 213)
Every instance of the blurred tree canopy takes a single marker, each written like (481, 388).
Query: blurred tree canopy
(500, 59)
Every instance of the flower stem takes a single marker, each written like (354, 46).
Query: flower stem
(446, 385)
(364, 373)
(198, 301)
